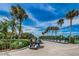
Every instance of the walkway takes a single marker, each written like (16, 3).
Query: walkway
(50, 49)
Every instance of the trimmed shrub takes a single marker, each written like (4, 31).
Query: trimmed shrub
(19, 44)
(13, 44)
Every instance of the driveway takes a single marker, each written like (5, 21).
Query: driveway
(50, 49)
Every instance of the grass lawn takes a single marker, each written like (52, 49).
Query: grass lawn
(76, 41)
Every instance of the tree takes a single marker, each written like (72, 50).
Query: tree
(19, 13)
(12, 25)
(60, 23)
(54, 28)
(4, 29)
(70, 15)
(1, 31)
(27, 36)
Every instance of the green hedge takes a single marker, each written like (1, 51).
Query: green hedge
(13, 44)
(54, 38)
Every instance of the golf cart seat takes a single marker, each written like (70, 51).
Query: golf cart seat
(34, 46)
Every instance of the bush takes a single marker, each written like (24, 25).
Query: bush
(1, 45)
(19, 44)
(72, 40)
(4, 45)
(13, 44)
(27, 36)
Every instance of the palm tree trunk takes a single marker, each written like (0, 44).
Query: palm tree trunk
(52, 33)
(61, 35)
(55, 36)
(70, 29)
(13, 30)
(20, 29)
(12, 33)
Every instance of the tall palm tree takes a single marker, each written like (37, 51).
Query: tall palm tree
(42, 33)
(70, 15)
(60, 22)
(12, 24)
(54, 28)
(19, 13)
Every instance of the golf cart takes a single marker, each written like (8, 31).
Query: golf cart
(35, 44)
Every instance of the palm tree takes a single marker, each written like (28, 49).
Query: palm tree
(43, 33)
(70, 15)
(60, 23)
(54, 28)
(12, 24)
(19, 13)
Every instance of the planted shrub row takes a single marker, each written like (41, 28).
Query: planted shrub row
(13, 44)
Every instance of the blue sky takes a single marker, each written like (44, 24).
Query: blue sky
(42, 15)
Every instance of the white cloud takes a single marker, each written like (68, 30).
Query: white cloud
(29, 28)
(74, 22)
(2, 18)
(45, 7)
(32, 30)
(32, 17)
(47, 23)
(54, 23)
